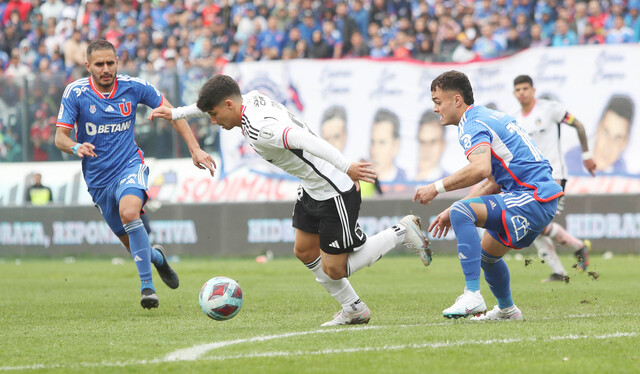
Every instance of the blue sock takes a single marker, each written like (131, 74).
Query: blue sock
(496, 273)
(140, 251)
(463, 220)
(472, 284)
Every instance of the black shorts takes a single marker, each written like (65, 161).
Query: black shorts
(335, 220)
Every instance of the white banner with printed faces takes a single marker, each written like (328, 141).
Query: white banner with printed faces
(341, 100)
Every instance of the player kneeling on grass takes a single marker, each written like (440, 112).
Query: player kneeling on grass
(329, 240)
(515, 203)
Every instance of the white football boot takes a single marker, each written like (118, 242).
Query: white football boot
(470, 303)
(511, 313)
(350, 318)
(415, 240)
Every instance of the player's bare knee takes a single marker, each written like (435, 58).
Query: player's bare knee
(305, 254)
(129, 215)
(335, 272)
(301, 255)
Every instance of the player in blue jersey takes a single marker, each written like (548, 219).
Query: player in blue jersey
(514, 204)
(102, 108)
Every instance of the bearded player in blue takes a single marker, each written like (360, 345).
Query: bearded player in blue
(102, 108)
(514, 204)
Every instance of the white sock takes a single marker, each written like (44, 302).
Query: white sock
(374, 248)
(547, 252)
(340, 289)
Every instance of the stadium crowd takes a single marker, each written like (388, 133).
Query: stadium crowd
(43, 39)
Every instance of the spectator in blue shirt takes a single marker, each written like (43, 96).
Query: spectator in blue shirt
(130, 42)
(377, 48)
(399, 8)
(361, 16)
(483, 10)
(333, 38)
(501, 34)
(620, 33)
(546, 23)
(292, 39)
(615, 9)
(564, 36)
(486, 46)
(307, 26)
(124, 12)
(525, 6)
(632, 19)
(241, 7)
(160, 14)
(271, 37)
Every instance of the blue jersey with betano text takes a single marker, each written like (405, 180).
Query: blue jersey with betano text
(106, 121)
(516, 162)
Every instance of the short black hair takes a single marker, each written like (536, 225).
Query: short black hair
(99, 45)
(335, 111)
(522, 79)
(453, 80)
(216, 89)
(621, 105)
(385, 115)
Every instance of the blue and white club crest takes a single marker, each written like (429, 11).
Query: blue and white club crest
(520, 226)
(92, 109)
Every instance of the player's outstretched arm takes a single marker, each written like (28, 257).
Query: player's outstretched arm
(361, 171)
(587, 158)
(162, 111)
(68, 145)
(182, 112)
(201, 159)
(478, 169)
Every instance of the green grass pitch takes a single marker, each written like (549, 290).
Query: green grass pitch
(85, 317)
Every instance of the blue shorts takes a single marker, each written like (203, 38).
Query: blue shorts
(129, 181)
(515, 219)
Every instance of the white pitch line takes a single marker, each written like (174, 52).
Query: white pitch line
(445, 344)
(385, 348)
(197, 351)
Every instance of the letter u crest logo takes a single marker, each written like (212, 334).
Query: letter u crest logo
(125, 109)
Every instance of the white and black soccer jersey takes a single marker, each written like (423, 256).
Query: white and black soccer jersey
(282, 139)
(542, 124)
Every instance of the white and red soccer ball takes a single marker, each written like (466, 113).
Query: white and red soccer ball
(220, 298)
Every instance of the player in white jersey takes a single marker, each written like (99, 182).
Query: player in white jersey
(329, 240)
(542, 119)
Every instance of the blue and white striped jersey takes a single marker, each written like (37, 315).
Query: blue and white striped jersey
(516, 162)
(106, 121)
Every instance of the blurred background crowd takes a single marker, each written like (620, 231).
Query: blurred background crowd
(43, 42)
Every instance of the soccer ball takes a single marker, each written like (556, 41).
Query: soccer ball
(220, 298)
